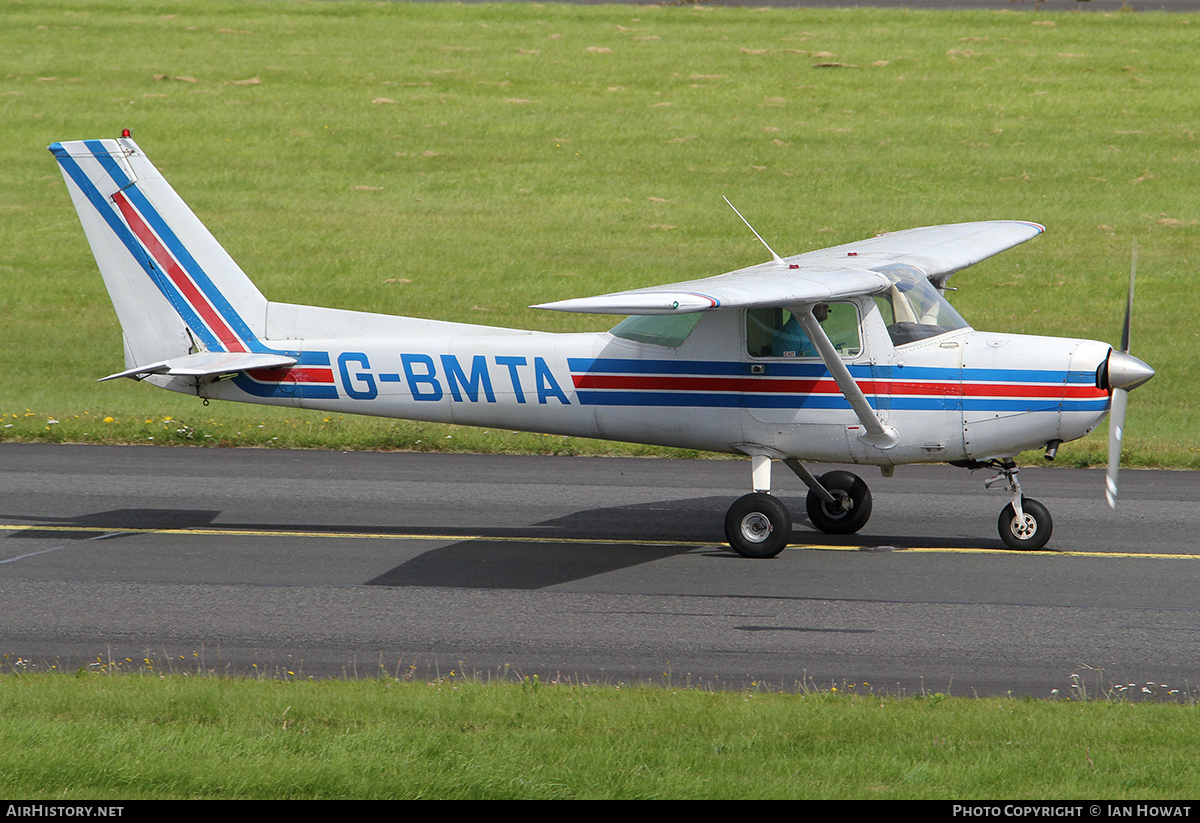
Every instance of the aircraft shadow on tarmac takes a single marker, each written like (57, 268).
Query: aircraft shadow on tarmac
(530, 557)
(115, 520)
(580, 545)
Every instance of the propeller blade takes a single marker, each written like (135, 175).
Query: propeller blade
(1116, 430)
(1124, 373)
(1129, 302)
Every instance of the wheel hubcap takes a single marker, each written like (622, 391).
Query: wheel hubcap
(839, 508)
(756, 527)
(1024, 528)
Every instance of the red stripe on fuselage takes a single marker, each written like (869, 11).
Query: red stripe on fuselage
(304, 375)
(1050, 390)
(182, 282)
(707, 384)
(760, 385)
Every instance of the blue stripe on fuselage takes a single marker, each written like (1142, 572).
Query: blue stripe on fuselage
(814, 370)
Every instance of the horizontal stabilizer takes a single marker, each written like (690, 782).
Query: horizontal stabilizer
(207, 364)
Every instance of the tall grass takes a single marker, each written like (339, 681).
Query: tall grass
(465, 161)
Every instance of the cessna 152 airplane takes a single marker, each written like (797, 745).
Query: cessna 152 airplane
(845, 355)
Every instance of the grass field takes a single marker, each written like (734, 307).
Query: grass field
(463, 162)
(173, 736)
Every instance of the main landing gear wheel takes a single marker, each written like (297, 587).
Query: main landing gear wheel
(1028, 533)
(758, 525)
(851, 510)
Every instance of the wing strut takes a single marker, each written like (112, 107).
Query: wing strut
(878, 435)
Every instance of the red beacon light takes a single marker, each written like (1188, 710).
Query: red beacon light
(125, 133)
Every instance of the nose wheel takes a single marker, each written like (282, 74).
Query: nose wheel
(1025, 524)
(1027, 531)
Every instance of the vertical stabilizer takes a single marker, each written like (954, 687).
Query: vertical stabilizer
(174, 288)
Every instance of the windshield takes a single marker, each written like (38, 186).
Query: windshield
(913, 309)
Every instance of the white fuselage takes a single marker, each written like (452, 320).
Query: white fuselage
(958, 396)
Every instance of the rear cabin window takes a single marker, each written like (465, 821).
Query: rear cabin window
(775, 332)
(658, 330)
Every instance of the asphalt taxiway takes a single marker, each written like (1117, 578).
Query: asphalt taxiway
(597, 569)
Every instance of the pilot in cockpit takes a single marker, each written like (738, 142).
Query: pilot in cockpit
(791, 341)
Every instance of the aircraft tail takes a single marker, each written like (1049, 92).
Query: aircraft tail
(176, 291)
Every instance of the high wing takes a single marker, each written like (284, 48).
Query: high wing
(849, 270)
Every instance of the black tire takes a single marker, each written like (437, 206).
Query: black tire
(758, 525)
(835, 519)
(1030, 535)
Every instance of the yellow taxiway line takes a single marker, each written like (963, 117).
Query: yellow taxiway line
(219, 532)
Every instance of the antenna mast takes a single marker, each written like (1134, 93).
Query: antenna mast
(774, 256)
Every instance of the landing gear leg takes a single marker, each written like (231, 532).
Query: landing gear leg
(1025, 524)
(758, 524)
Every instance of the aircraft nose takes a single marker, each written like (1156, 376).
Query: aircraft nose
(1122, 371)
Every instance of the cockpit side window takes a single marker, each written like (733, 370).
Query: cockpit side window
(775, 332)
(913, 309)
(659, 330)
